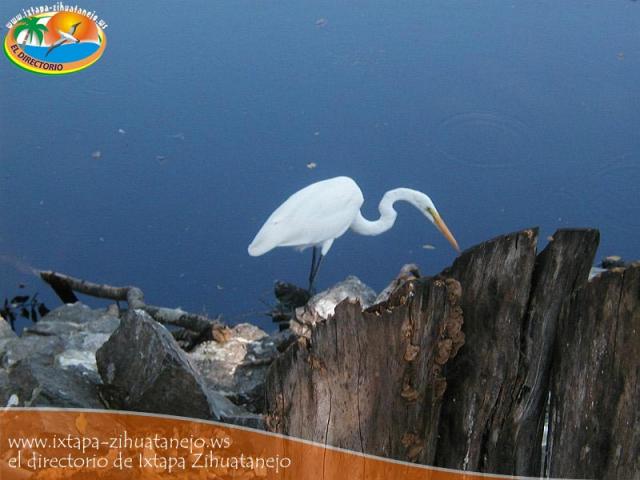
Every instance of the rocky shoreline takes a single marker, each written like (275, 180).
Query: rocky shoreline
(78, 357)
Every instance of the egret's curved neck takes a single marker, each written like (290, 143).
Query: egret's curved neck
(387, 213)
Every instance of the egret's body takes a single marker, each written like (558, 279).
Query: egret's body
(312, 217)
(323, 211)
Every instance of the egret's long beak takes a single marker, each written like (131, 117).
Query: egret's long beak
(438, 222)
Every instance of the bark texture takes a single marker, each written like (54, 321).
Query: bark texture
(372, 381)
(410, 380)
(594, 418)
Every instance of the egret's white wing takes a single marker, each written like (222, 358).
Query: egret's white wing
(319, 212)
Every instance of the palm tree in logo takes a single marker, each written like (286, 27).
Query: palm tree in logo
(31, 25)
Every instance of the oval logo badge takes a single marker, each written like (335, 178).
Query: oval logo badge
(55, 43)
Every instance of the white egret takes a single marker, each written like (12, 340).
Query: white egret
(323, 211)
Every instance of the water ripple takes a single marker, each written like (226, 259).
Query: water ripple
(485, 140)
(615, 186)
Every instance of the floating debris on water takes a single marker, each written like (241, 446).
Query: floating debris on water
(161, 158)
(316, 133)
(311, 165)
(96, 155)
(620, 55)
(177, 136)
(321, 22)
(219, 287)
(121, 131)
(428, 246)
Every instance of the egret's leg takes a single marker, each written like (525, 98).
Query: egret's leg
(315, 266)
(315, 274)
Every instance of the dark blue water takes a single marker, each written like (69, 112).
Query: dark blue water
(509, 114)
(63, 53)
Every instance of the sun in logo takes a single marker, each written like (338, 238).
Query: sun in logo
(77, 26)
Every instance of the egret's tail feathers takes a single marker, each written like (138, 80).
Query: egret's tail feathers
(257, 248)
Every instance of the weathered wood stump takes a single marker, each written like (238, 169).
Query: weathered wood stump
(401, 380)
(595, 415)
(493, 415)
(372, 381)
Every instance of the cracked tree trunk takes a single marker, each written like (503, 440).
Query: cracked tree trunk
(496, 280)
(512, 301)
(390, 381)
(561, 269)
(372, 381)
(594, 419)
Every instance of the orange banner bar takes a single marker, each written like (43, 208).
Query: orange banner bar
(51, 443)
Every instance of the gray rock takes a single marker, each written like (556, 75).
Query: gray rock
(237, 368)
(143, 369)
(76, 323)
(612, 261)
(53, 363)
(408, 272)
(5, 330)
(39, 349)
(352, 287)
(67, 337)
(38, 385)
(73, 313)
(608, 263)
(6, 335)
(5, 387)
(322, 305)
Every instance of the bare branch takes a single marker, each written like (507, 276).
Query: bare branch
(82, 286)
(65, 285)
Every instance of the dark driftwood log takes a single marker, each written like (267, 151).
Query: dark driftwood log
(594, 419)
(372, 381)
(204, 328)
